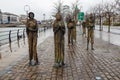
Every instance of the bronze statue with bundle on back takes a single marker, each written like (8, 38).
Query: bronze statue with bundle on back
(70, 31)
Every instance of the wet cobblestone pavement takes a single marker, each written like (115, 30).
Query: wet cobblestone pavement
(101, 64)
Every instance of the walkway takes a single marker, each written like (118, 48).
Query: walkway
(101, 64)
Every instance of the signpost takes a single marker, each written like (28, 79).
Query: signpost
(81, 16)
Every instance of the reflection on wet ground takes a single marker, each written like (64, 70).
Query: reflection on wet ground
(113, 37)
(18, 42)
(113, 29)
(0, 56)
(10, 46)
(109, 37)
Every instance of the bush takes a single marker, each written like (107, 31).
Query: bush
(106, 23)
(116, 24)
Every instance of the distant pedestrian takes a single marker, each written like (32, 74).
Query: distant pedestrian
(32, 29)
(84, 28)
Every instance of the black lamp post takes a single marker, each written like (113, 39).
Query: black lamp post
(1, 16)
(44, 20)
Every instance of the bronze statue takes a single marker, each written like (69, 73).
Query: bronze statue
(59, 31)
(32, 31)
(90, 28)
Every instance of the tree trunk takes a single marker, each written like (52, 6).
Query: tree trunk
(109, 23)
(94, 21)
(100, 23)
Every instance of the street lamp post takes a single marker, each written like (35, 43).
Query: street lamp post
(27, 9)
(0, 16)
(44, 16)
(44, 20)
(102, 16)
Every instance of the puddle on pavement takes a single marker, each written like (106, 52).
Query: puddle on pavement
(117, 60)
(109, 37)
(9, 72)
(98, 78)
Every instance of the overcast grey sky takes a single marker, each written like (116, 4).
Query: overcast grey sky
(39, 7)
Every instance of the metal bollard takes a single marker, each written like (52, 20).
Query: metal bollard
(10, 36)
(23, 33)
(18, 34)
(18, 37)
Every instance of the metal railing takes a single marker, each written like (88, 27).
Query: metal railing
(10, 36)
(14, 35)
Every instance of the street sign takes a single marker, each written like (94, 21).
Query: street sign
(81, 16)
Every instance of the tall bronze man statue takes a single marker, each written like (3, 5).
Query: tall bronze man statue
(90, 28)
(32, 29)
(59, 31)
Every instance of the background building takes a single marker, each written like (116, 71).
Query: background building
(9, 18)
(23, 19)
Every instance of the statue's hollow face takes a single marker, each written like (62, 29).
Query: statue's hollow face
(91, 15)
(58, 16)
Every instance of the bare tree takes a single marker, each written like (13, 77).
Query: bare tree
(117, 6)
(99, 11)
(109, 9)
(75, 10)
